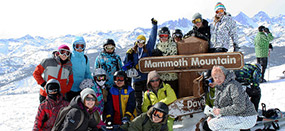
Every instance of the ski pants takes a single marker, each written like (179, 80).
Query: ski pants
(263, 62)
(232, 123)
(139, 87)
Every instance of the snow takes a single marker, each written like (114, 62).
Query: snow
(19, 107)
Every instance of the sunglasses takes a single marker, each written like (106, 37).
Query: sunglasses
(100, 78)
(119, 78)
(154, 80)
(79, 46)
(140, 41)
(163, 35)
(52, 90)
(90, 99)
(196, 21)
(158, 114)
(220, 11)
(109, 47)
(64, 52)
(177, 35)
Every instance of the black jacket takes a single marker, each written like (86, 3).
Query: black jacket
(203, 32)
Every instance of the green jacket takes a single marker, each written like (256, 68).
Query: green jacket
(261, 43)
(144, 123)
(210, 97)
(165, 94)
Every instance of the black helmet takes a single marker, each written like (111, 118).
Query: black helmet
(177, 33)
(161, 107)
(261, 28)
(163, 30)
(120, 73)
(109, 41)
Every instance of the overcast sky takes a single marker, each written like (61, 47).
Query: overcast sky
(60, 17)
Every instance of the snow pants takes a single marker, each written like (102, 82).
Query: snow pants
(170, 122)
(139, 87)
(263, 62)
(232, 123)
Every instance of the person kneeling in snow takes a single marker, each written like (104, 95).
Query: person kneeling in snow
(50, 107)
(232, 107)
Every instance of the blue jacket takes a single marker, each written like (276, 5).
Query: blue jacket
(81, 69)
(110, 63)
(134, 59)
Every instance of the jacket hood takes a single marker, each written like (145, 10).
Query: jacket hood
(79, 40)
(150, 76)
(229, 76)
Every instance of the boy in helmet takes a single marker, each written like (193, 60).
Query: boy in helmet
(121, 103)
(49, 108)
(109, 61)
(141, 49)
(168, 48)
(80, 66)
(177, 35)
(154, 119)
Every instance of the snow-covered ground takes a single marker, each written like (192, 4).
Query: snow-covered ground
(19, 107)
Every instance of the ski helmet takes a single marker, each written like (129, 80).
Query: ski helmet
(120, 73)
(53, 84)
(99, 72)
(79, 40)
(86, 83)
(177, 33)
(164, 30)
(109, 41)
(161, 107)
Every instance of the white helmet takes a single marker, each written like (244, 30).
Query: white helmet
(86, 83)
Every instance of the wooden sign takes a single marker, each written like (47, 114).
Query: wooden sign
(186, 106)
(196, 62)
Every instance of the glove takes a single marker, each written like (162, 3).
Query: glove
(153, 21)
(266, 30)
(236, 48)
(127, 66)
(125, 120)
(208, 110)
(43, 84)
(109, 125)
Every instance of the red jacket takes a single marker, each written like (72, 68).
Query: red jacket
(51, 68)
(47, 113)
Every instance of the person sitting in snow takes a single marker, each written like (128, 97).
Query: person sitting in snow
(49, 108)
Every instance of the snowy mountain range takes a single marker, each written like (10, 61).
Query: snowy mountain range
(19, 56)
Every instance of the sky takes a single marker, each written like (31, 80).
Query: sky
(48, 18)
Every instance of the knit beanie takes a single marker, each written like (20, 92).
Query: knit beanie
(196, 16)
(63, 47)
(85, 92)
(220, 6)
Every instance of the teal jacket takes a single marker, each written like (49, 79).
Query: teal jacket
(261, 43)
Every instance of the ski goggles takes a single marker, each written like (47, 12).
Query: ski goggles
(177, 35)
(79, 46)
(220, 11)
(119, 78)
(163, 35)
(52, 90)
(90, 99)
(154, 80)
(141, 41)
(64, 52)
(100, 78)
(158, 114)
(109, 47)
(198, 20)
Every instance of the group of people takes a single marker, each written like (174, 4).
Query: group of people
(117, 93)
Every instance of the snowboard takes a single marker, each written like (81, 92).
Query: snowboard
(186, 106)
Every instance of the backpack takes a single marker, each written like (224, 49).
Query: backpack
(61, 116)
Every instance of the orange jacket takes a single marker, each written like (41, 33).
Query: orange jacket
(51, 68)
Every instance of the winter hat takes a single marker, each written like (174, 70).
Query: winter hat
(140, 37)
(86, 83)
(79, 40)
(85, 92)
(220, 6)
(151, 75)
(261, 28)
(197, 16)
(109, 41)
(63, 47)
(52, 84)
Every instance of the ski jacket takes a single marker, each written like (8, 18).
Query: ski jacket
(261, 43)
(51, 68)
(202, 32)
(222, 32)
(110, 63)
(165, 94)
(80, 69)
(47, 113)
(133, 56)
(231, 98)
(100, 99)
(249, 75)
(72, 119)
(144, 123)
(120, 102)
(168, 48)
